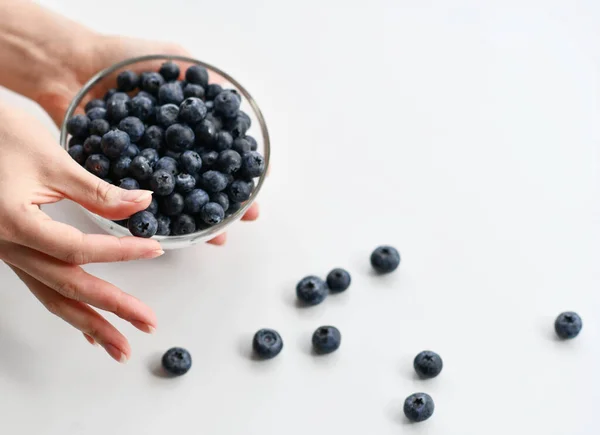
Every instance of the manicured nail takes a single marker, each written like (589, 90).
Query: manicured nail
(115, 353)
(143, 326)
(136, 195)
(152, 254)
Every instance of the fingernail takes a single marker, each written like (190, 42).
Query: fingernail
(136, 195)
(152, 254)
(143, 326)
(115, 353)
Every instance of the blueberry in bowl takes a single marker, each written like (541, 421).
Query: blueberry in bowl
(179, 127)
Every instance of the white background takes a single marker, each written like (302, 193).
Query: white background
(463, 132)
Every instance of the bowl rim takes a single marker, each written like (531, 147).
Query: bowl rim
(102, 74)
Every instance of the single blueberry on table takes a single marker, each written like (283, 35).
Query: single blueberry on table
(192, 110)
(177, 361)
(227, 104)
(140, 168)
(568, 325)
(170, 71)
(214, 181)
(209, 158)
(133, 126)
(78, 154)
(127, 81)
(98, 165)
(162, 182)
(229, 161)
(116, 110)
(96, 113)
(99, 127)
(223, 141)
(79, 126)
(428, 364)
(114, 143)
(267, 343)
(164, 225)
(385, 259)
(179, 137)
(92, 145)
(206, 132)
(220, 198)
(212, 213)
(120, 168)
(338, 280)
(183, 224)
(239, 190)
(190, 162)
(253, 164)
(153, 207)
(213, 90)
(195, 200)
(171, 205)
(93, 104)
(326, 339)
(242, 145)
(418, 407)
(131, 151)
(311, 290)
(129, 184)
(154, 137)
(184, 183)
(151, 155)
(151, 82)
(170, 93)
(192, 90)
(141, 107)
(168, 164)
(197, 75)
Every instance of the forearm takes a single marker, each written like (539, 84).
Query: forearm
(36, 48)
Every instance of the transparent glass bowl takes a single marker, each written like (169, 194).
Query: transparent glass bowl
(106, 79)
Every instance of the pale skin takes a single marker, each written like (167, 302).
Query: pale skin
(48, 58)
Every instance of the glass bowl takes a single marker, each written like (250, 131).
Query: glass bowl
(106, 79)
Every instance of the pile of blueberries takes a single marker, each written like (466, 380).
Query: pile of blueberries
(185, 140)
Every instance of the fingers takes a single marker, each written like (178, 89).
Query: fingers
(80, 316)
(72, 282)
(219, 240)
(252, 213)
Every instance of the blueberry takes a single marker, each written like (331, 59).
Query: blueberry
(213, 90)
(116, 110)
(127, 81)
(75, 141)
(212, 213)
(311, 290)
(169, 71)
(206, 132)
(154, 137)
(147, 95)
(171, 205)
(253, 143)
(131, 151)
(141, 107)
(192, 110)
(338, 280)
(173, 154)
(93, 104)
(216, 120)
(220, 198)
(118, 96)
(129, 184)
(418, 407)
(77, 153)
(99, 127)
(153, 207)
(239, 125)
(92, 144)
(385, 259)
(229, 161)
(192, 90)
(223, 141)
(242, 145)
(98, 165)
(214, 181)
(164, 225)
(179, 137)
(209, 106)
(267, 343)
(79, 126)
(209, 158)
(195, 200)
(168, 164)
(96, 113)
(177, 361)
(170, 93)
(239, 190)
(140, 168)
(568, 325)
(109, 94)
(121, 167)
(326, 339)
(151, 82)
(227, 104)
(183, 224)
(184, 183)
(114, 143)
(162, 182)
(133, 126)
(182, 83)
(253, 164)
(428, 364)
(197, 75)
(151, 155)
(190, 162)
(233, 207)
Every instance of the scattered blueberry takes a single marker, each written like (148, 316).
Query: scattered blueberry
(212, 213)
(79, 126)
(253, 164)
(385, 259)
(428, 364)
(192, 90)
(162, 182)
(133, 126)
(267, 343)
(99, 127)
(140, 168)
(183, 224)
(568, 325)
(326, 339)
(129, 184)
(192, 110)
(338, 280)
(177, 361)
(92, 145)
(164, 225)
(114, 143)
(169, 71)
(179, 137)
(418, 407)
(214, 181)
(78, 154)
(239, 190)
(127, 81)
(311, 290)
(171, 205)
(195, 200)
(197, 75)
(220, 198)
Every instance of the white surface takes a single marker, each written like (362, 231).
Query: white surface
(465, 135)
